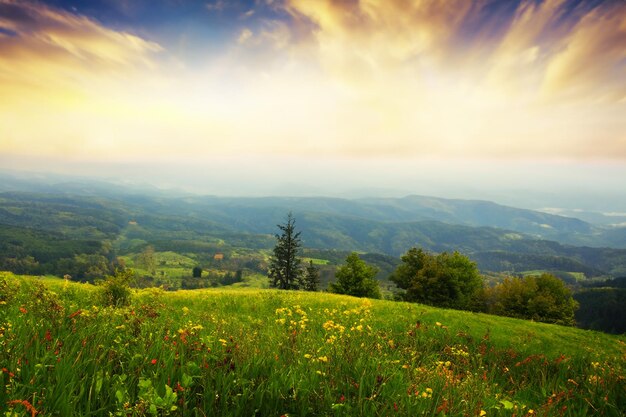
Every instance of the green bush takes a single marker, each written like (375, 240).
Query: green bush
(115, 290)
(356, 278)
(542, 298)
(448, 280)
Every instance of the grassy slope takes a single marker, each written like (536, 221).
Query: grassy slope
(263, 352)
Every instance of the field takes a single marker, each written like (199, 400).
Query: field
(245, 352)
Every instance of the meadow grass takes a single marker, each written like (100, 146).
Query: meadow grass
(245, 351)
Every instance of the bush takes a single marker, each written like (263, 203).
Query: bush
(356, 278)
(542, 298)
(115, 290)
(196, 272)
(444, 280)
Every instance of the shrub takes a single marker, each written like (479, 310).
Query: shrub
(542, 298)
(115, 290)
(356, 278)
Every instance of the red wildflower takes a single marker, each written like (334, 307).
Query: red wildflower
(48, 336)
(23, 310)
(153, 361)
(29, 407)
(74, 314)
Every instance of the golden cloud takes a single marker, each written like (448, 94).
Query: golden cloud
(545, 48)
(367, 78)
(56, 70)
(52, 46)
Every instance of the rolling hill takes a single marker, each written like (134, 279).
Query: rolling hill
(200, 224)
(269, 352)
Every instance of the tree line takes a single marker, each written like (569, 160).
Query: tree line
(448, 280)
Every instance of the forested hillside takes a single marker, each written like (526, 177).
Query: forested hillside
(59, 231)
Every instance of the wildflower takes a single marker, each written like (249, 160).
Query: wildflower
(531, 411)
(483, 413)
(438, 324)
(27, 405)
(185, 310)
(74, 314)
(323, 359)
(23, 310)
(307, 356)
(153, 361)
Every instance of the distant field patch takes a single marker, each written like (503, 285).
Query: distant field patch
(316, 261)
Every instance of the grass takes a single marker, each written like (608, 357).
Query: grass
(270, 353)
(253, 280)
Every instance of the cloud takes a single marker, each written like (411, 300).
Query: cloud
(244, 36)
(527, 79)
(593, 59)
(218, 5)
(551, 47)
(54, 46)
(57, 70)
(367, 78)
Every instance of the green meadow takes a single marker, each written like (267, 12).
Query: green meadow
(247, 352)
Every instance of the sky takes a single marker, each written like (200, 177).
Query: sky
(457, 98)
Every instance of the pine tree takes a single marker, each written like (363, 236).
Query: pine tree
(284, 271)
(311, 279)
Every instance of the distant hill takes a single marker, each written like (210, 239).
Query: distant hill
(195, 224)
(253, 213)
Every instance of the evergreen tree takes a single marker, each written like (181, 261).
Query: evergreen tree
(356, 278)
(284, 271)
(311, 279)
(147, 260)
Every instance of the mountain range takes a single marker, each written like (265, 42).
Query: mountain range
(497, 237)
